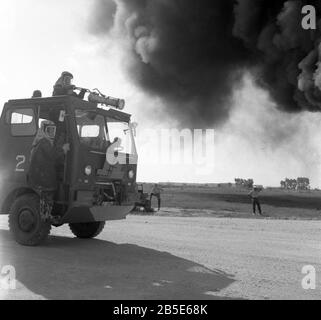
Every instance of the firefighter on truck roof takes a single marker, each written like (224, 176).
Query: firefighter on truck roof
(64, 86)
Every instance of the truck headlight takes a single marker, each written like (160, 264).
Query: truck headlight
(88, 170)
(131, 174)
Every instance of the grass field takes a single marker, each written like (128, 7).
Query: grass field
(233, 202)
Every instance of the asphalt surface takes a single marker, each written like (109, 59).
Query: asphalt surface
(169, 258)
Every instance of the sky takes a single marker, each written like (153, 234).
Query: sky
(40, 39)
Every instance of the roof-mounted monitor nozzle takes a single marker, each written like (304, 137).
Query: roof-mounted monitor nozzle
(96, 96)
(108, 101)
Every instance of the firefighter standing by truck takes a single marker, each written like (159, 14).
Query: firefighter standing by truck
(43, 161)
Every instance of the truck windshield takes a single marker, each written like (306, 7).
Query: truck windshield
(99, 132)
(123, 132)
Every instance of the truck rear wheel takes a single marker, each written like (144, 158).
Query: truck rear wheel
(87, 230)
(25, 222)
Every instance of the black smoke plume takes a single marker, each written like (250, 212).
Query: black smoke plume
(193, 53)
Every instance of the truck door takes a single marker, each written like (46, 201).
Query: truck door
(17, 132)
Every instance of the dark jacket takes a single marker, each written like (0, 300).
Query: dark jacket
(60, 90)
(42, 170)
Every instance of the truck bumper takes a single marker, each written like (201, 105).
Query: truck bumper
(96, 214)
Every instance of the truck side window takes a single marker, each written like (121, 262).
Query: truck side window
(23, 122)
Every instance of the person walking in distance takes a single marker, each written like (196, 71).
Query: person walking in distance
(156, 192)
(255, 196)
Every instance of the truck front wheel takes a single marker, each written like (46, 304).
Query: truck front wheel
(87, 230)
(25, 222)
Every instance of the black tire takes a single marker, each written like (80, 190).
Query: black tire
(25, 223)
(87, 230)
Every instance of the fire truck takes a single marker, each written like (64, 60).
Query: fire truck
(96, 181)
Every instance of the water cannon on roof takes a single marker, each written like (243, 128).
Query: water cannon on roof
(95, 96)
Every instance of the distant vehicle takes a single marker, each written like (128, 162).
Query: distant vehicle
(90, 190)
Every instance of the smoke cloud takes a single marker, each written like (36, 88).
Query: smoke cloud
(192, 54)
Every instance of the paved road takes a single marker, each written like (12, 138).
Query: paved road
(169, 258)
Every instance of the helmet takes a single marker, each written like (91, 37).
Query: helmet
(67, 74)
(65, 79)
